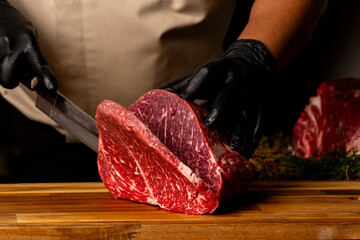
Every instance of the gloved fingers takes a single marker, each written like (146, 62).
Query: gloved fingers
(20, 56)
(177, 85)
(237, 132)
(254, 135)
(7, 70)
(194, 83)
(209, 80)
(256, 100)
(245, 133)
(223, 107)
(238, 119)
(40, 67)
(8, 62)
(21, 60)
(4, 46)
(218, 111)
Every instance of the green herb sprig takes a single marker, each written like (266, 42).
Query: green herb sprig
(275, 159)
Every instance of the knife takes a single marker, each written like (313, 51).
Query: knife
(69, 116)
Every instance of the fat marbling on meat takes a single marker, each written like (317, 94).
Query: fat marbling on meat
(331, 120)
(159, 151)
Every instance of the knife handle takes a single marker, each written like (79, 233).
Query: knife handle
(39, 88)
(30, 84)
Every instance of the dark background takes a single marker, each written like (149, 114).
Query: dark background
(33, 152)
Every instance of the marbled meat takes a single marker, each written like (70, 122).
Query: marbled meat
(331, 120)
(160, 152)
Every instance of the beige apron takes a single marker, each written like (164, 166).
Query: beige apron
(120, 49)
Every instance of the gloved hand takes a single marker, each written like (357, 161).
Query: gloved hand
(236, 86)
(20, 56)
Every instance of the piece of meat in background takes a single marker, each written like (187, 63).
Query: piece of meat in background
(331, 120)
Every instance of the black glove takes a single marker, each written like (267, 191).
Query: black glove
(20, 56)
(236, 86)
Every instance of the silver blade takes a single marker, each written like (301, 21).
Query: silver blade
(70, 117)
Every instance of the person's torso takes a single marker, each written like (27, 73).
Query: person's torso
(119, 50)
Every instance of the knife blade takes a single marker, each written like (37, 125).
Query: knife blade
(69, 116)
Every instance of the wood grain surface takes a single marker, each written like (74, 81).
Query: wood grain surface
(268, 210)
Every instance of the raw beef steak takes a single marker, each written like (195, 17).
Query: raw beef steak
(331, 120)
(160, 152)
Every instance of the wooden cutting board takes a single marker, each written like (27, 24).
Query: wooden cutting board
(269, 210)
